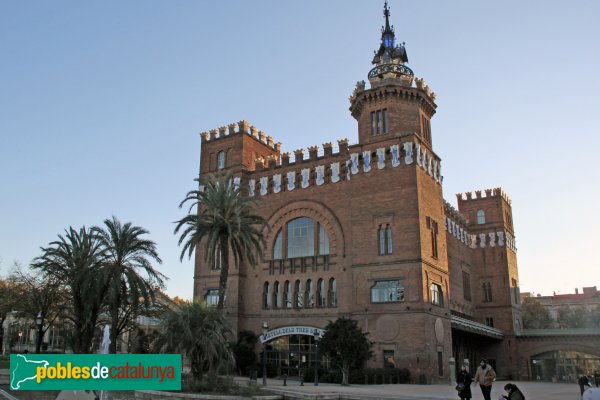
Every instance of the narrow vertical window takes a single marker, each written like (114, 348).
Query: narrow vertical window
(388, 234)
(466, 285)
(309, 296)
(276, 295)
(385, 121)
(373, 124)
(266, 296)
(332, 293)
(434, 241)
(489, 321)
(287, 295)
(321, 293)
(323, 241)
(221, 160)
(278, 246)
(381, 235)
(379, 122)
(298, 294)
(487, 292)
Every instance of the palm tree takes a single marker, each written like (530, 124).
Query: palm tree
(127, 270)
(227, 220)
(201, 334)
(75, 260)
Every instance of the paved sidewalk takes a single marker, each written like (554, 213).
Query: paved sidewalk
(532, 391)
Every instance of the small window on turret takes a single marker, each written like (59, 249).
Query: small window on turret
(379, 122)
(221, 160)
(480, 217)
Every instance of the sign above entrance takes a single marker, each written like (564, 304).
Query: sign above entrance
(291, 330)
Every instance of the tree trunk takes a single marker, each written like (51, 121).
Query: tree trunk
(114, 317)
(345, 373)
(39, 338)
(224, 271)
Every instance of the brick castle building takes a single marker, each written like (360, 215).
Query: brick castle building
(363, 231)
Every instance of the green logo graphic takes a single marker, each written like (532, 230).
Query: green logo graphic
(95, 371)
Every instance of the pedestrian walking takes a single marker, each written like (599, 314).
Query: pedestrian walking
(583, 381)
(485, 376)
(463, 384)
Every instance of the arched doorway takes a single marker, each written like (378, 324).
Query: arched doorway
(562, 365)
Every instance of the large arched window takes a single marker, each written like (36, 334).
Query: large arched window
(480, 217)
(303, 237)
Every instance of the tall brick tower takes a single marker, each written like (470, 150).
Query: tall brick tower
(494, 266)
(397, 108)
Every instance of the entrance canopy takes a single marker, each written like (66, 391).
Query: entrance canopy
(475, 327)
(291, 330)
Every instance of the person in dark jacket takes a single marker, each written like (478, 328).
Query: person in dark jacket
(514, 393)
(464, 378)
(583, 381)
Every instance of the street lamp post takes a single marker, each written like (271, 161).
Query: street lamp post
(316, 337)
(20, 336)
(265, 329)
(38, 342)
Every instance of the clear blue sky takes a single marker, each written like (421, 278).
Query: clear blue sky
(101, 104)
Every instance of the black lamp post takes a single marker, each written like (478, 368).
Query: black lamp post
(38, 322)
(265, 329)
(316, 337)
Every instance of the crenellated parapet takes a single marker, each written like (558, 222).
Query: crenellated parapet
(270, 178)
(457, 227)
(483, 194)
(239, 128)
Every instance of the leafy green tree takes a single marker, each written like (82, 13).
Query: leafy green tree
(574, 317)
(201, 334)
(346, 345)
(45, 299)
(75, 260)
(10, 295)
(226, 220)
(128, 272)
(535, 315)
(243, 349)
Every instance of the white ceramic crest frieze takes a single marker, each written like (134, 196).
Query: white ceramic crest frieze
(354, 162)
(381, 158)
(408, 153)
(395, 150)
(320, 171)
(277, 183)
(305, 173)
(251, 187)
(335, 172)
(236, 182)
(500, 238)
(482, 240)
(264, 185)
(291, 180)
(366, 161)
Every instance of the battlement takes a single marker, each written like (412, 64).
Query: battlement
(485, 194)
(301, 155)
(454, 213)
(238, 128)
